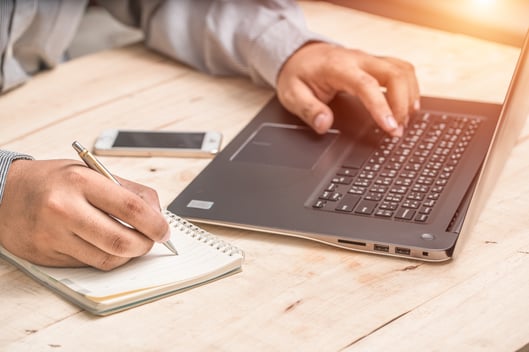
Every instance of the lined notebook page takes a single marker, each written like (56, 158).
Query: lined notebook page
(197, 257)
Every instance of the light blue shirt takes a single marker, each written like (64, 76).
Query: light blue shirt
(221, 37)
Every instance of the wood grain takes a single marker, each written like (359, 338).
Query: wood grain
(293, 294)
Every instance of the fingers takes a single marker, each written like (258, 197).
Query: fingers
(300, 100)
(131, 208)
(98, 238)
(368, 76)
(67, 220)
(313, 75)
(74, 251)
(112, 237)
(105, 243)
(399, 78)
(368, 90)
(147, 194)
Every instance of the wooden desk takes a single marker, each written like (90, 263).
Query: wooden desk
(500, 21)
(293, 294)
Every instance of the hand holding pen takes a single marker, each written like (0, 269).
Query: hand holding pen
(92, 162)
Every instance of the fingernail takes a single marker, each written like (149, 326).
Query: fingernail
(321, 122)
(167, 236)
(394, 128)
(391, 122)
(417, 105)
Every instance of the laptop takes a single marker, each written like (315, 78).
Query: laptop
(357, 188)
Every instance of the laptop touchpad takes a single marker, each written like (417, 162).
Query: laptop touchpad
(285, 145)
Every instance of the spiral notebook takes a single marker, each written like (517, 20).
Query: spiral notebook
(202, 257)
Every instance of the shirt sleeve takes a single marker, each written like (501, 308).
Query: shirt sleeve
(221, 37)
(6, 158)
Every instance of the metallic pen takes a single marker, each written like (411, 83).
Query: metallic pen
(92, 162)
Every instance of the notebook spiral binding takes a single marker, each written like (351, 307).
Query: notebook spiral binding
(201, 234)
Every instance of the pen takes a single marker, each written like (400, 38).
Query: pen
(91, 161)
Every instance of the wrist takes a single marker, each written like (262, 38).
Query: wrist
(6, 160)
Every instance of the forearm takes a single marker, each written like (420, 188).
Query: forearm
(251, 38)
(6, 158)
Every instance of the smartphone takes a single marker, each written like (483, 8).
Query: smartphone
(158, 143)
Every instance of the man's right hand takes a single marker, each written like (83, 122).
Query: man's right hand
(56, 213)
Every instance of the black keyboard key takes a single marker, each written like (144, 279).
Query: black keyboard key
(347, 172)
(331, 188)
(348, 203)
(384, 213)
(412, 204)
(357, 190)
(335, 196)
(342, 180)
(425, 210)
(415, 196)
(429, 203)
(392, 197)
(319, 204)
(405, 213)
(362, 182)
(400, 178)
(421, 218)
(326, 195)
(365, 207)
(388, 205)
(373, 196)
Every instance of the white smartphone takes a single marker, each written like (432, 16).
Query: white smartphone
(158, 143)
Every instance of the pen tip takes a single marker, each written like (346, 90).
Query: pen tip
(171, 247)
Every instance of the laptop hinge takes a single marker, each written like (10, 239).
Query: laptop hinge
(459, 216)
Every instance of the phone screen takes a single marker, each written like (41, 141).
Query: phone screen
(159, 140)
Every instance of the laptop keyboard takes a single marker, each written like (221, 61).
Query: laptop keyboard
(403, 178)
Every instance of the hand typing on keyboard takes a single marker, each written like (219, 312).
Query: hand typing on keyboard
(403, 178)
(315, 73)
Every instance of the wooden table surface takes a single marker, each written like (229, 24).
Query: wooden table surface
(293, 294)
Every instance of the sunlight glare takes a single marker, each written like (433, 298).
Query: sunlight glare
(484, 3)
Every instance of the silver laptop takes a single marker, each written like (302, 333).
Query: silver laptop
(356, 187)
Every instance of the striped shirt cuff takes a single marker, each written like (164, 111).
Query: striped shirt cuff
(6, 158)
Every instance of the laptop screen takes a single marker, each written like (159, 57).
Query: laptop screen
(512, 118)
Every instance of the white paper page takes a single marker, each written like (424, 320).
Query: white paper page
(158, 267)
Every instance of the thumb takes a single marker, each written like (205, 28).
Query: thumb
(301, 101)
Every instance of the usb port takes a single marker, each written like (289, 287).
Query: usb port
(381, 248)
(404, 251)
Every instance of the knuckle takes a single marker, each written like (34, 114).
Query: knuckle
(149, 194)
(308, 111)
(365, 80)
(128, 246)
(291, 100)
(397, 73)
(287, 96)
(119, 245)
(356, 53)
(409, 67)
(133, 206)
(75, 175)
(336, 63)
(54, 205)
(403, 70)
(107, 262)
